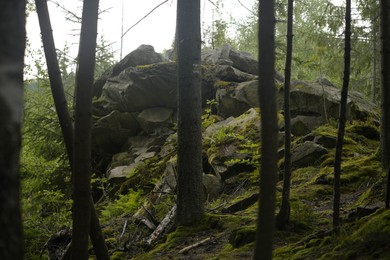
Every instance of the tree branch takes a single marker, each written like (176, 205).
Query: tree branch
(140, 20)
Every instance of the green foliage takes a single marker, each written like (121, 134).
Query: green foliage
(124, 204)
(45, 171)
(104, 56)
(208, 118)
(46, 206)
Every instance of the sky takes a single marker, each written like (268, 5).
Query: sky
(157, 29)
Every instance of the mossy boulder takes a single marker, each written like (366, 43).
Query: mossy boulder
(307, 154)
(242, 236)
(321, 99)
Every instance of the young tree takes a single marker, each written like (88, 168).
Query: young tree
(342, 117)
(269, 131)
(54, 72)
(190, 208)
(385, 92)
(82, 139)
(64, 118)
(12, 46)
(283, 217)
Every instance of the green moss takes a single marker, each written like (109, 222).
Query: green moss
(118, 255)
(111, 242)
(209, 224)
(128, 204)
(229, 252)
(242, 236)
(145, 175)
(370, 241)
(369, 129)
(223, 84)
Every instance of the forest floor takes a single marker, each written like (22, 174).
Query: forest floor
(228, 233)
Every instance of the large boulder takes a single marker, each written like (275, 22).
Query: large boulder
(111, 131)
(231, 74)
(226, 155)
(142, 87)
(320, 98)
(143, 55)
(242, 61)
(233, 100)
(227, 56)
(306, 154)
(303, 125)
(154, 118)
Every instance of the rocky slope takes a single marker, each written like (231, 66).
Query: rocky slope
(134, 148)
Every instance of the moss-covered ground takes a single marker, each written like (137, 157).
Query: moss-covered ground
(309, 234)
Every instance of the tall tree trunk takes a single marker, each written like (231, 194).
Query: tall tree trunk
(374, 50)
(63, 114)
(283, 218)
(82, 140)
(190, 208)
(342, 117)
(269, 131)
(54, 72)
(385, 92)
(12, 46)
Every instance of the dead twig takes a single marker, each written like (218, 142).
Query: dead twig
(140, 20)
(188, 248)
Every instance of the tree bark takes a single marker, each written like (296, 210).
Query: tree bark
(283, 217)
(64, 118)
(82, 140)
(12, 46)
(190, 208)
(342, 118)
(385, 92)
(374, 50)
(269, 131)
(54, 72)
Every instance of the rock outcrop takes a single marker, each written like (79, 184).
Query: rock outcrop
(136, 114)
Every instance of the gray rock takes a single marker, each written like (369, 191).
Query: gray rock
(121, 172)
(307, 153)
(226, 55)
(303, 125)
(235, 100)
(211, 186)
(326, 141)
(152, 118)
(143, 55)
(231, 74)
(312, 98)
(218, 158)
(111, 131)
(139, 88)
(242, 204)
(319, 99)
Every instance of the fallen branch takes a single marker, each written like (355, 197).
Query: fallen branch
(149, 224)
(188, 248)
(163, 225)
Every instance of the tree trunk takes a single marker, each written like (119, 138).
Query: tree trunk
(374, 50)
(12, 46)
(64, 116)
(189, 162)
(342, 118)
(269, 131)
(82, 140)
(54, 72)
(385, 92)
(283, 218)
